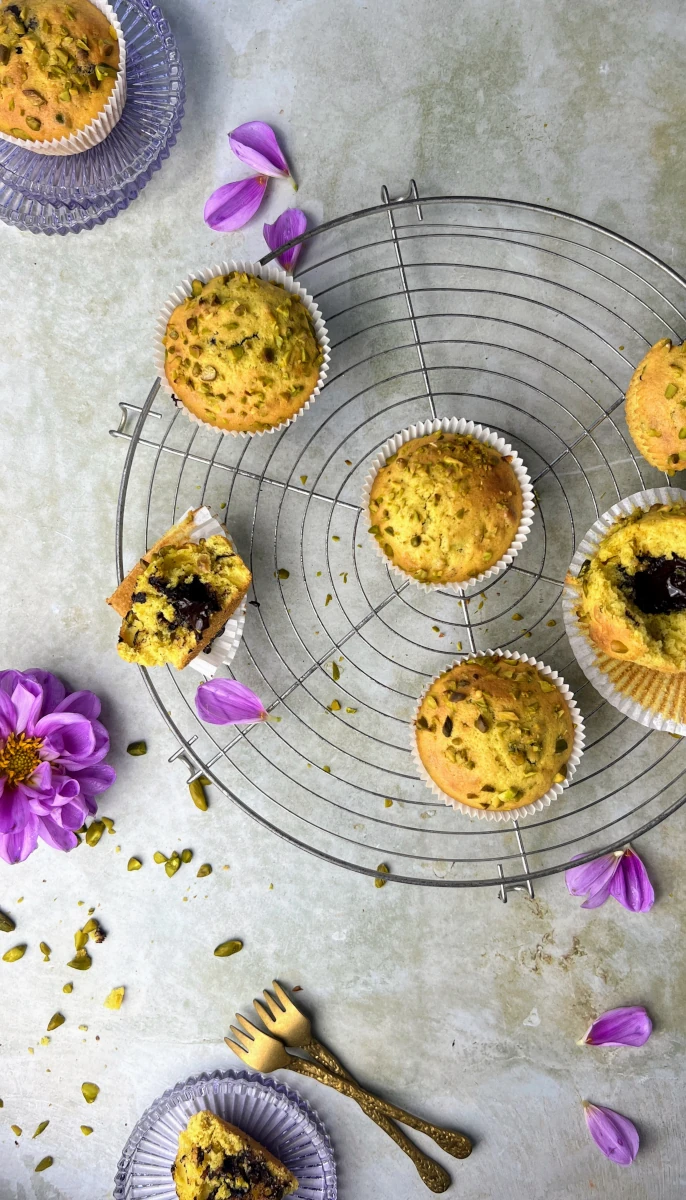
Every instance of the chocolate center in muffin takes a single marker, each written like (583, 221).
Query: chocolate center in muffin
(192, 601)
(659, 586)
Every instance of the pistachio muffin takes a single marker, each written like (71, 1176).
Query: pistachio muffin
(178, 598)
(445, 507)
(632, 593)
(494, 733)
(217, 1161)
(241, 353)
(58, 67)
(656, 406)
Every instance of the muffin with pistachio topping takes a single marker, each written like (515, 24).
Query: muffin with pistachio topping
(445, 507)
(656, 406)
(241, 353)
(59, 65)
(494, 733)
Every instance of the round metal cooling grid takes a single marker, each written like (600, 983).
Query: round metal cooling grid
(343, 819)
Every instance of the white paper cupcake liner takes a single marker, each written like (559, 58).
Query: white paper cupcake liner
(221, 651)
(653, 698)
(482, 434)
(527, 810)
(98, 129)
(274, 274)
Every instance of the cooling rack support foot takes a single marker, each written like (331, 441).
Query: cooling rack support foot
(506, 887)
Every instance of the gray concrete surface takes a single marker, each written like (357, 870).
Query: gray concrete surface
(450, 1003)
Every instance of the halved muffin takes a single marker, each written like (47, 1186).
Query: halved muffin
(178, 598)
(217, 1161)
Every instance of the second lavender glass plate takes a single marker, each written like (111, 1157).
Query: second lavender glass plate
(263, 1107)
(52, 194)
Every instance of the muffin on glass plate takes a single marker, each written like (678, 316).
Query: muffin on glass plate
(217, 1161)
(242, 352)
(656, 406)
(61, 70)
(497, 734)
(179, 596)
(446, 507)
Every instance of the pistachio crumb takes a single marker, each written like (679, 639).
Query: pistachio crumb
(383, 869)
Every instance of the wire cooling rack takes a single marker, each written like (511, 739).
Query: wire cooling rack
(527, 320)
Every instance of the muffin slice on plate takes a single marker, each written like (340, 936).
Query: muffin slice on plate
(217, 1161)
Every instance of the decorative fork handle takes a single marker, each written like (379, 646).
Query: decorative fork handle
(450, 1140)
(431, 1173)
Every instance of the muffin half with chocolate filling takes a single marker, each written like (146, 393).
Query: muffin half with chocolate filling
(217, 1161)
(178, 598)
(632, 593)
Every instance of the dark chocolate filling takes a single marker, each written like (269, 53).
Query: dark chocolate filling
(250, 1169)
(193, 602)
(659, 586)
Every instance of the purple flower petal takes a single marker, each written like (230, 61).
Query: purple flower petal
(54, 690)
(55, 835)
(291, 224)
(15, 847)
(232, 206)
(27, 699)
(592, 877)
(94, 779)
(631, 885)
(8, 715)
(616, 1136)
(14, 811)
(255, 145)
(86, 704)
(67, 738)
(228, 702)
(620, 1027)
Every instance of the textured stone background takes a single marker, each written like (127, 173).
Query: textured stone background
(452, 1004)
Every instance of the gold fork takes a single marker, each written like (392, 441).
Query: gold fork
(290, 1025)
(262, 1052)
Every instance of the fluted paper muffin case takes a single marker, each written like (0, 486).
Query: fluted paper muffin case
(482, 434)
(653, 698)
(272, 273)
(526, 810)
(222, 650)
(97, 129)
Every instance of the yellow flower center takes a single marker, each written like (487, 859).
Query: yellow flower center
(19, 758)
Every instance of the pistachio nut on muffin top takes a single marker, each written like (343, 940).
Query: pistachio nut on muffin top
(494, 733)
(58, 67)
(242, 353)
(632, 592)
(445, 508)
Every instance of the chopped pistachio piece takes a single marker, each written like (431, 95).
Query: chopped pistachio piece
(16, 1130)
(134, 864)
(68, 987)
(90, 1092)
(7, 925)
(45, 951)
(14, 954)
(136, 748)
(115, 998)
(383, 870)
(55, 1021)
(186, 856)
(44, 1163)
(81, 961)
(226, 949)
(86, 1130)
(198, 796)
(204, 870)
(41, 1128)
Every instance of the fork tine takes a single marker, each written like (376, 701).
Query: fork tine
(283, 997)
(238, 1050)
(273, 1005)
(252, 1031)
(241, 1038)
(266, 1017)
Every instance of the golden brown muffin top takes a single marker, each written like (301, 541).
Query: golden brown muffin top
(58, 67)
(445, 507)
(656, 406)
(494, 733)
(242, 353)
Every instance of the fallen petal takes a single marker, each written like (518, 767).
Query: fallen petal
(291, 224)
(631, 885)
(592, 878)
(620, 1027)
(614, 1135)
(232, 206)
(255, 145)
(228, 702)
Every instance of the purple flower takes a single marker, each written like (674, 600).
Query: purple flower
(228, 702)
(621, 874)
(232, 206)
(291, 224)
(51, 747)
(255, 145)
(616, 1136)
(619, 1027)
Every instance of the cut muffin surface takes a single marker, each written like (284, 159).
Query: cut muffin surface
(217, 1161)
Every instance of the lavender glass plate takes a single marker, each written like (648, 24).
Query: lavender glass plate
(50, 194)
(263, 1107)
